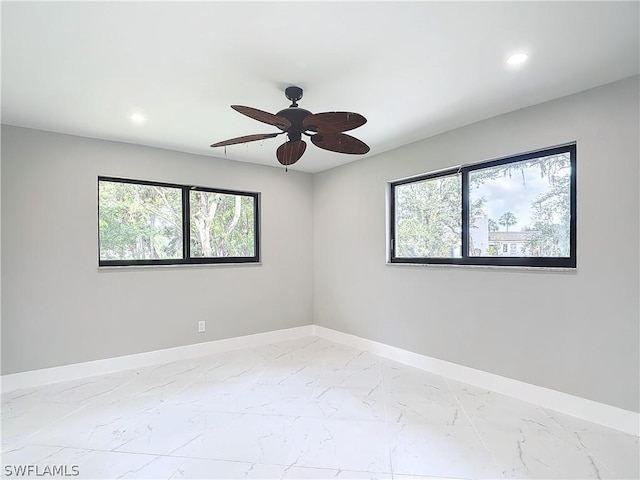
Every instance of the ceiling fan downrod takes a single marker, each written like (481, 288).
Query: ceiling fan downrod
(326, 129)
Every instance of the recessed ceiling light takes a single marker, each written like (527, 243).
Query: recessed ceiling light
(517, 59)
(138, 118)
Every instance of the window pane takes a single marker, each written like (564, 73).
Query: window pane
(521, 209)
(139, 222)
(222, 225)
(428, 218)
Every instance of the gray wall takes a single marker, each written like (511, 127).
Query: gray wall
(58, 308)
(573, 332)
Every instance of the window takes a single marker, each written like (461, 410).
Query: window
(516, 211)
(429, 222)
(149, 223)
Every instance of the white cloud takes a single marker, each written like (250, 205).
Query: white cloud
(512, 194)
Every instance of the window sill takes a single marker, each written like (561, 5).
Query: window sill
(510, 268)
(182, 266)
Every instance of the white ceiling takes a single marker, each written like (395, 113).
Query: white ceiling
(412, 69)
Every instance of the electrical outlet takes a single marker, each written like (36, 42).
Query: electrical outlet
(202, 326)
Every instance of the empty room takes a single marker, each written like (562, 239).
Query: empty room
(353, 240)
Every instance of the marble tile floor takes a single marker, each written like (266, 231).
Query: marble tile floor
(306, 408)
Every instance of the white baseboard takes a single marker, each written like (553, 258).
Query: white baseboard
(74, 371)
(607, 415)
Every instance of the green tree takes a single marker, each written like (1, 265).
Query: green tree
(551, 217)
(428, 212)
(139, 221)
(428, 218)
(507, 220)
(222, 225)
(551, 211)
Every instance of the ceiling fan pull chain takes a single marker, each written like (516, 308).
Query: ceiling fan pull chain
(324, 129)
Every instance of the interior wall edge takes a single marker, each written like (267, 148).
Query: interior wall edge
(589, 410)
(45, 376)
(596, 412)
(573, 332)
(59, 307)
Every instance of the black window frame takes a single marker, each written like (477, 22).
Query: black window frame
(465, 258)
(186, 259)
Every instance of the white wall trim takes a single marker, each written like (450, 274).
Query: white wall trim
(34, 378)
(607, 415)
(610, 416)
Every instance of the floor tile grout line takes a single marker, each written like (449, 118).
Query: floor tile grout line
(85, 401)
(466, 414)
(324, 365)
(217, 459)
(317, 382)
(131, 380)
(200, 376)
(24, 440)
(203, 374)
(473, 425)
(386, 418)
(309, 399)
(579, 442)
(255, 380)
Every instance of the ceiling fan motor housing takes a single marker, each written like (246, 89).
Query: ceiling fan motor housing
(295, 115)
(325, 129)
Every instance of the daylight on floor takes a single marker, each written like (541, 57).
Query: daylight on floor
(330, 240)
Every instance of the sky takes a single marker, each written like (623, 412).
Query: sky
(512, 194)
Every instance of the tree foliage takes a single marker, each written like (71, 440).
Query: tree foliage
(428, 218)
(222, 225)
(139, 222)
(507, 220)
(428, 212)
(551, 212)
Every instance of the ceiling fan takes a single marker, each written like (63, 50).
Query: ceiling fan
(324, 129)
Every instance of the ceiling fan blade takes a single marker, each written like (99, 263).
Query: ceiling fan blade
(340, 142)
(245, 139)
(290, 152)
(333, 122)
(265, 117)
